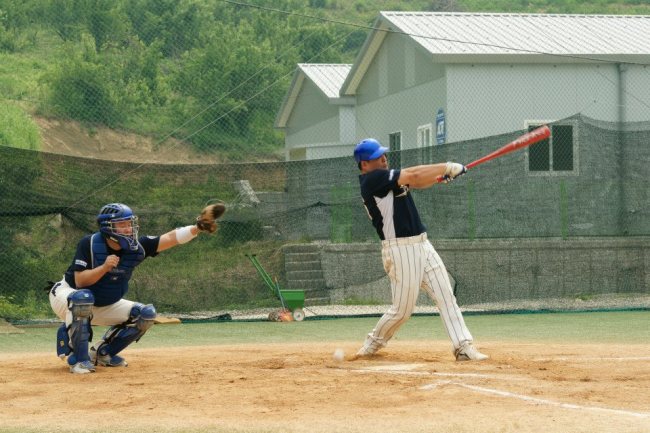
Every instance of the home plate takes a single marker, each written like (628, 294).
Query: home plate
(395, 367)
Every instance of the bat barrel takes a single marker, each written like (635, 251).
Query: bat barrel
(525, 140)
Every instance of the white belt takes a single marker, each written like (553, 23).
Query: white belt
(404, 241)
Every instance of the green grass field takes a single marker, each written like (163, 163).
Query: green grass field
(608, 327)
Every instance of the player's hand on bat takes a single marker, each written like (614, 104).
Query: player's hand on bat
(452, 171)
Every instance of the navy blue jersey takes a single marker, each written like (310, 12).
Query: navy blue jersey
(389, 205)
(82, 258)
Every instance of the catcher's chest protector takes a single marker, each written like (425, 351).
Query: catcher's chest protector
(113, 286)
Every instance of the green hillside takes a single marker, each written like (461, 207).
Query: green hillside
(210, 72)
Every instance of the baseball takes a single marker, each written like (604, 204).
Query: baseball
(338, 355)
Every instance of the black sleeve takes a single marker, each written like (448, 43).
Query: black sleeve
(150, 245)
(380, 182)
(82, 260)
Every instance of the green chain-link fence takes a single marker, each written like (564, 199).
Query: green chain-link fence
(212, 76)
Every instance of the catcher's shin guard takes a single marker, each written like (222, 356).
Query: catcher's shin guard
(80, 303)
(117, 338)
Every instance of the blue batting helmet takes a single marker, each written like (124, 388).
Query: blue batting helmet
(117, 212)
(368, 149)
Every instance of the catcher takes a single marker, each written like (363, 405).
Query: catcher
(92, 289)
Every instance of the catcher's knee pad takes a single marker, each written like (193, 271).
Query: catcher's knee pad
(75, 337)
(143, 316)
(117, 338)
(80, 303)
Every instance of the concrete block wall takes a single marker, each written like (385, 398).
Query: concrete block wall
(502, 269)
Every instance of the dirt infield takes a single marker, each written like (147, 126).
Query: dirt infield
(299, 387)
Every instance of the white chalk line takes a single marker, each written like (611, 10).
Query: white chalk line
(593, 358)
(527, 398)
(407, 369)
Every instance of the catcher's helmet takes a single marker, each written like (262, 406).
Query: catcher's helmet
(368, 149)
(125, 235)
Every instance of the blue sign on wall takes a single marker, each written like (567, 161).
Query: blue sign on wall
(441, 128)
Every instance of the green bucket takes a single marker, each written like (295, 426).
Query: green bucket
(293, 298)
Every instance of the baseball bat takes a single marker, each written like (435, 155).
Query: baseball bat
(525, 140)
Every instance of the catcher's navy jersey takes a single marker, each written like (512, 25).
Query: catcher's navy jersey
(83, 261)
(389, 205)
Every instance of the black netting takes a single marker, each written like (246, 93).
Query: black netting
(178, 87)
(50, 201)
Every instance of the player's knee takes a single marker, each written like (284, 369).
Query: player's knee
(142, 316)
(117, 338)
(401, 315)
(80, 303)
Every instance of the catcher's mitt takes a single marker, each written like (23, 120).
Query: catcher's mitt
(207, 221)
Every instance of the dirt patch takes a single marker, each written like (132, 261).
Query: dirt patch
(412, 387)
(74, 139)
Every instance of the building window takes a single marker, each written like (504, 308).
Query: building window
(424, 143)
(394, 147)
(555, 154)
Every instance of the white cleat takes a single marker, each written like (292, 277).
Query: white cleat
(83, 367)
(363, 353)
(366, 352)
(467, 352)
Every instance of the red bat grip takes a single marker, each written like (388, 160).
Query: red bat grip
(525, 140)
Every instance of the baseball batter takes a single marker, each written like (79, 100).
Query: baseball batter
(92, 289)
(409, 259)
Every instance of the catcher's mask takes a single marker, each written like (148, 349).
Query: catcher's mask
(117, 223)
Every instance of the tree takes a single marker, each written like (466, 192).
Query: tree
(82, 89)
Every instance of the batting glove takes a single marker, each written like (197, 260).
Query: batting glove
(452, 171)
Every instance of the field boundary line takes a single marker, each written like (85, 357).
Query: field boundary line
(527, 398)
(593, 358)
(403, 369)
(409, 370)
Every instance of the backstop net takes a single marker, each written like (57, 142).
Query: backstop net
(505, 235)
(163, 92)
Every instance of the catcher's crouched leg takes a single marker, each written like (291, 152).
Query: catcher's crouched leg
(73, 340)
(117, 338)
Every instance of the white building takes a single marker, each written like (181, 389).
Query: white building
(427, 78)
(316, 119)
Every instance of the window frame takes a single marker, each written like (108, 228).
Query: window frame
(426, 149)
(397, 156)
(575, 144)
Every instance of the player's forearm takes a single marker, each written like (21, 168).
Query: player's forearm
(177, 236)
(206, 222)
(89, 276)
(421, 176)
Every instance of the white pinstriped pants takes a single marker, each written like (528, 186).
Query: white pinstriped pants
(412, 263)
